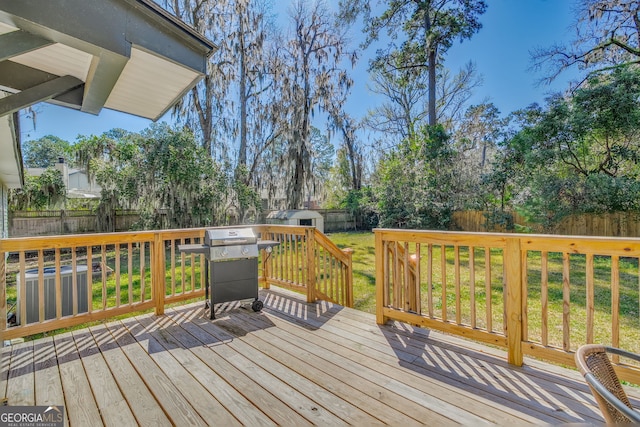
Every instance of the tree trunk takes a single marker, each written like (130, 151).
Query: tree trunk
(431, 64)
(242, 154)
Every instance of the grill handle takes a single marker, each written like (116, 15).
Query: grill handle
(237, 242)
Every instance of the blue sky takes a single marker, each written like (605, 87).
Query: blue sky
(501, 51)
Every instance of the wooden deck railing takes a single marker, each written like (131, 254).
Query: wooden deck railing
(307, 261)
(129, 272)
(537, 295)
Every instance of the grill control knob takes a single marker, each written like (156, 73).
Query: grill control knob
(224, 253)
(245, 251)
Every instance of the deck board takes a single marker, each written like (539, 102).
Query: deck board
(146, 410)
(21, 380)
(48, 385)
(112, 406)
(292, 364)
(80, 405)
(168, 395)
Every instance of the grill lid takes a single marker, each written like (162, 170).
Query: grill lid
(229, 236)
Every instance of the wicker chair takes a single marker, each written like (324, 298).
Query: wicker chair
(594, 364)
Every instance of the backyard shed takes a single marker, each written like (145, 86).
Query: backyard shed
(297, 217)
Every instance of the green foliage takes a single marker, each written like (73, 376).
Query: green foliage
(44, 152)
(162, 169)
(580, 155)
(246, 197)
(338, 181)
(39, 192)
(412, 186)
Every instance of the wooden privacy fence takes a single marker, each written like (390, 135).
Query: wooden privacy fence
(619, 224)
(534, 294)
(62, 281)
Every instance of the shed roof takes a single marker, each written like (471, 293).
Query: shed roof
(294, 214)
(127, 55)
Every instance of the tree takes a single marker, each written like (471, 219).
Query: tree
(157, 170)
(45, 152)
(607, 36)
(405, 108)
(348, 127)
(39, 192)
(582, 154)
(413, 185)
(428, 27)
(597, 130)
(478, 133)
(226, 104)
(312, 79)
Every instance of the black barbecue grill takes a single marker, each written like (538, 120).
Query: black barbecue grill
(231, 269)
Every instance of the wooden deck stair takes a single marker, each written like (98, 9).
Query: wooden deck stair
(296, 363)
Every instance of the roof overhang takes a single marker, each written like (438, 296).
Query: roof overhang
(127, 55)
(11, 174)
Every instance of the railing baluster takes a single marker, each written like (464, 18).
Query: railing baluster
(396, 277)
(405, 289)
(566, 303)
(183, 269)
(615, 303)
(74, 281)
(117, 274)
(472, 286)
(103, 270)
(143, 267)
(23, 288)
(58, 284)
(41, 296)
(173, 267)
(590, 297)
(443, 275)
(130, 270)
(385, 267)
(544, 296)
(487, 288)
(193, 272)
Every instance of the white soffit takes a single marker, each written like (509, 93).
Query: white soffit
(148, 84)
(5, 28)
(58, 59)
(9, 166)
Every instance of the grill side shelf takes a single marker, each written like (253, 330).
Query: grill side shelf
(194, 249)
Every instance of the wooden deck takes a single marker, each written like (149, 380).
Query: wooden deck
(292, 364)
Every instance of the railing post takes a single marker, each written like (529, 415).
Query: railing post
(513, 276)
(349, 277)
(311, 264)
(381, 319)
(158, 273)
